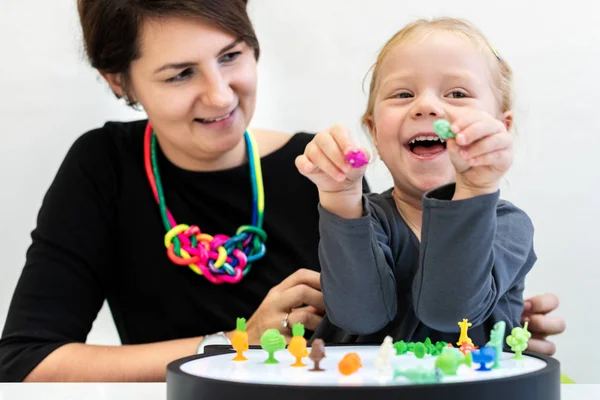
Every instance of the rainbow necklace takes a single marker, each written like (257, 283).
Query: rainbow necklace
(219, 258)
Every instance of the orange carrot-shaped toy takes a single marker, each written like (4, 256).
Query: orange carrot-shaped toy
(239, 341)
(297, 345)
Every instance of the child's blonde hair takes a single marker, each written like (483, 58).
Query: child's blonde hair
(423, 27)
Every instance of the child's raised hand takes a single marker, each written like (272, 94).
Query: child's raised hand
(481, 153)
(324, 161)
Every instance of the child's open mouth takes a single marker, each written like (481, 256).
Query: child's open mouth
(425, 146)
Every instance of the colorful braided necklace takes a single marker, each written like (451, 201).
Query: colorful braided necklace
(219, 258)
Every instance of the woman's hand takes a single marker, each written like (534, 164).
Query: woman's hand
(299, 295)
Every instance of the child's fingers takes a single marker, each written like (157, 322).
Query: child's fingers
(486, 145)
(462, 122)
(478, 130)
(305, 166)
(328, 144)
(321, 160)
(500, 160)
(342, 137)
(460, 164)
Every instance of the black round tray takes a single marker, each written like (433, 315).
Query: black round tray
(543, 384)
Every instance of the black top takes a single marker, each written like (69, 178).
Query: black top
(99, 236)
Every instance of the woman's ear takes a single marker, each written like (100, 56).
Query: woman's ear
(115, 81)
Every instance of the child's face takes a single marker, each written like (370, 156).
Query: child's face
(439, 76)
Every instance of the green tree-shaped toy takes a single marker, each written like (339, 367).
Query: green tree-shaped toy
(419, 350)
(496, 339)
(401, 348)
(517, 340)
(272, 341)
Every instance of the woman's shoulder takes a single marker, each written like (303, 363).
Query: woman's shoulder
(270, 141)
(115, 133)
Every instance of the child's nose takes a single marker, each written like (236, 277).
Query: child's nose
(428, 105)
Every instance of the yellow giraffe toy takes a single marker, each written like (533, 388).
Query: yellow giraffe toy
(464, 325)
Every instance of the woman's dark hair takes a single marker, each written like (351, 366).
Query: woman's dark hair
(111, 28)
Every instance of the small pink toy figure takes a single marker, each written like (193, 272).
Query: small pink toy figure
(356, 158)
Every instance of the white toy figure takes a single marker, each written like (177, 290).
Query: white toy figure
(386, 352)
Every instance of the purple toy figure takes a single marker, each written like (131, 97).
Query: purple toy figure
(484, 356)
(356, 158)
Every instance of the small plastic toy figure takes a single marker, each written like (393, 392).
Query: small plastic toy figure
(439, 347)
(349, 364)
(356, 158)
(419, 350)
(401, 348)
(450, 359)
(386, 351)
(464, 325)
(272, 341)
(441, 128)
(420, 374)
(297, 346)
(239, 341)
(517, 340)
(496, 339)
(317, 353)
(465, 347)
(484, 356)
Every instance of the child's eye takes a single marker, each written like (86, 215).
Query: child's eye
(457, 95)
(403, 95)
(182, 76)
(229, 57)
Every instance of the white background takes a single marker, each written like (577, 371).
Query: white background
(315, 54)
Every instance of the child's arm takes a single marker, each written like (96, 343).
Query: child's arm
(357, 280)
(473, 252)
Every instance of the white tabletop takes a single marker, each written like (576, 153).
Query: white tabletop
(157, 391)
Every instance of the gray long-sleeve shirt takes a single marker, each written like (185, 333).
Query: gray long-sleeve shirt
(377, 279)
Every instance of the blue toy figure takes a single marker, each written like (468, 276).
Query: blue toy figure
(484, 356)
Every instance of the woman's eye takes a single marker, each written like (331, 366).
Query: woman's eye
(229, 57)
(182, 76)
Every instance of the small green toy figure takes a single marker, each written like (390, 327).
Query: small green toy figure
(450, 359)
(517, 340)
(419, 350)
(429, 347)
(441, 128)
(401, 348)
(496, 339)
(272, 341)
(439, 347)
(420, 374)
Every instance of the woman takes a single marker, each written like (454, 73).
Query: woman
(110, 226)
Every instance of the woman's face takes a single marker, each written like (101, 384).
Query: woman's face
(197, 83)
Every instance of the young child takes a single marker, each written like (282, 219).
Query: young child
(438, 247)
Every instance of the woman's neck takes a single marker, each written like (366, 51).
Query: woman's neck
(410, 210)
(266, 141)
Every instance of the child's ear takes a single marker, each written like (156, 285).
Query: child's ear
(371, 127)
(507, 119)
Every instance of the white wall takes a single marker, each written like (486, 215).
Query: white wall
(315, 54)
